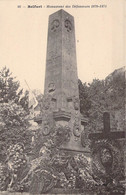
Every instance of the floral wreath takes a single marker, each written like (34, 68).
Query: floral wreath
(111, 161)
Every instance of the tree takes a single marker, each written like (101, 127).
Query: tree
(13, 113)
(10, 89)
(85, 102)
(104, 95)
(14, 127)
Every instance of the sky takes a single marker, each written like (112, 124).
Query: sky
(23, 38)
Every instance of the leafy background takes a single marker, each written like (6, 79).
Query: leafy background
(16, 131)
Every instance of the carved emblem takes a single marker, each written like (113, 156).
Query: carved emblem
(46, 128)
(51, 87)
(68, 25)
(54, 25)
(84, 139)
(76, 103)
(76, 129)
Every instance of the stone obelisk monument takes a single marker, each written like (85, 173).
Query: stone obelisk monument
(61, 96)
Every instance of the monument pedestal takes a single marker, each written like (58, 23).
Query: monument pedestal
(67, 120)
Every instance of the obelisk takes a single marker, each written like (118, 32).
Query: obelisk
(61, 66)
(61, 94)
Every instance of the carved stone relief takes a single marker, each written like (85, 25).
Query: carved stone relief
(51, 87)
(85, 142)
(68, 25)
(76, 128)
(55, 25)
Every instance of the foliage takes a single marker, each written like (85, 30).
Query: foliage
(10, 89)
(85, 102)
(14, 127)
(108, 163)
(61, 165)
(13, 168)
(54, 168)
(82, 166)
(17, 163)
(13, 113)
(58, 135)
(104, 95)
(50, 166)
(4, 176)
(101, 96)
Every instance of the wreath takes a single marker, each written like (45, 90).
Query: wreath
(107, 161)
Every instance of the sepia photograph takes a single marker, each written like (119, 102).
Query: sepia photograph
(62, 97)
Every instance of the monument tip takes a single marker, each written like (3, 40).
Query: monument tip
(61, 11)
